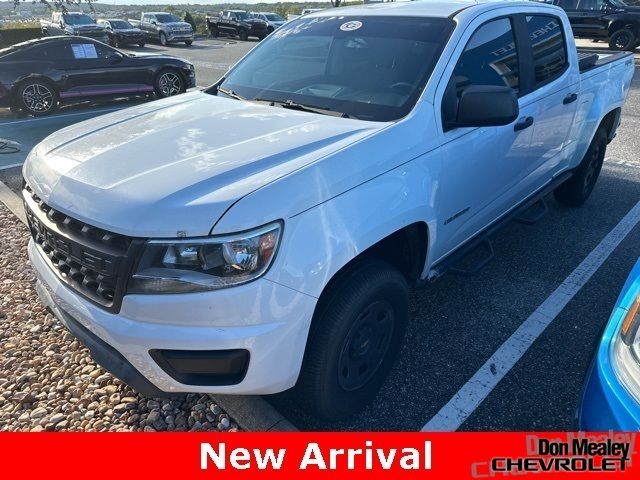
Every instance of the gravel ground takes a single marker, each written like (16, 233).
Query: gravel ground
(48, 380)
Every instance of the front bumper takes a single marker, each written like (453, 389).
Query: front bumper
(268, 320)
(606, 406)
(131, 39)
(179, 37)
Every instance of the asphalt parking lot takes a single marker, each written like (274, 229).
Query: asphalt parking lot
(459, 322)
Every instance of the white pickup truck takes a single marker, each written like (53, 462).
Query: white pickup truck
(264, 233)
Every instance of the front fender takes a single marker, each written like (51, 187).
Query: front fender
(319, 242)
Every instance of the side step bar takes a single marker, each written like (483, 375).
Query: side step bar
(535, 203)
(534, 213)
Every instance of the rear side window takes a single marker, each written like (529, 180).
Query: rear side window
(549, 47)
(490, 58)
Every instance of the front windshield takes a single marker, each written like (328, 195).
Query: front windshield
(274, 18)
(78, 20)
(371, 68)
(620, 3)
(167, 18)
(121, 24)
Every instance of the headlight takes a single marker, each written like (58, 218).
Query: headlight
(626, 350)
(203, 264)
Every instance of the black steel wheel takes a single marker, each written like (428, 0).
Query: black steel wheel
(623, 39)
(575, 191)
(356, 333)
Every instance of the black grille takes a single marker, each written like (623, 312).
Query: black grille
(94, 262)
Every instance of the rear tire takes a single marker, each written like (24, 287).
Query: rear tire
(37, 97)
(355, 336)
(243, 35)
(623, 39)
(575, 191)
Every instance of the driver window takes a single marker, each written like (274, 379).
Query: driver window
(590, 4)
(490, 58)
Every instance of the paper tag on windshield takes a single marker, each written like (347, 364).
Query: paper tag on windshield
(350, 26)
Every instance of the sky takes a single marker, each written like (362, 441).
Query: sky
(182, 2)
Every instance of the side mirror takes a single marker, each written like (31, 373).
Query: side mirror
(153, 22)
(115, 58)
(487, 106)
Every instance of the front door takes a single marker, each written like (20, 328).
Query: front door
(482, 167)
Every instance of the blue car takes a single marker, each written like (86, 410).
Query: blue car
(611, 398)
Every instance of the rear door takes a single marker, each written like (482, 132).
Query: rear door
(554, 94)
(590, 19)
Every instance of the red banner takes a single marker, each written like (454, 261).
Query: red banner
(318, 455)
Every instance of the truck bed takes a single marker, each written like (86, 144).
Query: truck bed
(589, 58)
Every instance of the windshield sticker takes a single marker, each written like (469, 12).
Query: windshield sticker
(350, 26)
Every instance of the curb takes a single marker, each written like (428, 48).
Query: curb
(252, 413)
(13, 202)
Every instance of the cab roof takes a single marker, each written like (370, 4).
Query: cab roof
(421, 8)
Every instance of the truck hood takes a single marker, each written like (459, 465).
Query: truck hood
(174, 166)
(176, 24)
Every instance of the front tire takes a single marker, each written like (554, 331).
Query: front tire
(188, 42)
(214, 31)
(243, 35)
(37, 97)
(163, 39)
(141, 45)
(168, 83)
(356, 333)
(623, 39)
(575, 191)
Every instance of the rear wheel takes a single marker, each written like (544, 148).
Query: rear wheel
(141, 45)
(623, 39)
(169, 83)
(37, 97)
(356, 333)
(575, 191)
(243, 35)
(163, 39)
(214, 31)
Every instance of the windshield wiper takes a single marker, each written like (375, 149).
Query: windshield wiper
(230, 93)
(291, 105)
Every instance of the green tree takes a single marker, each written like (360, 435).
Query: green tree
(190, 20)
(61, 4)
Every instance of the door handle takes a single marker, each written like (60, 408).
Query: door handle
(572, 97)
(523, 123)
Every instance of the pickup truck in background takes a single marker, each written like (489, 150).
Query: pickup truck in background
(269, 230)
(237, 23)
(607, 20)
(164, 27)
(73, 23)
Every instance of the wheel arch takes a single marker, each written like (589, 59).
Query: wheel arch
(610, 122)
(619, 23)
